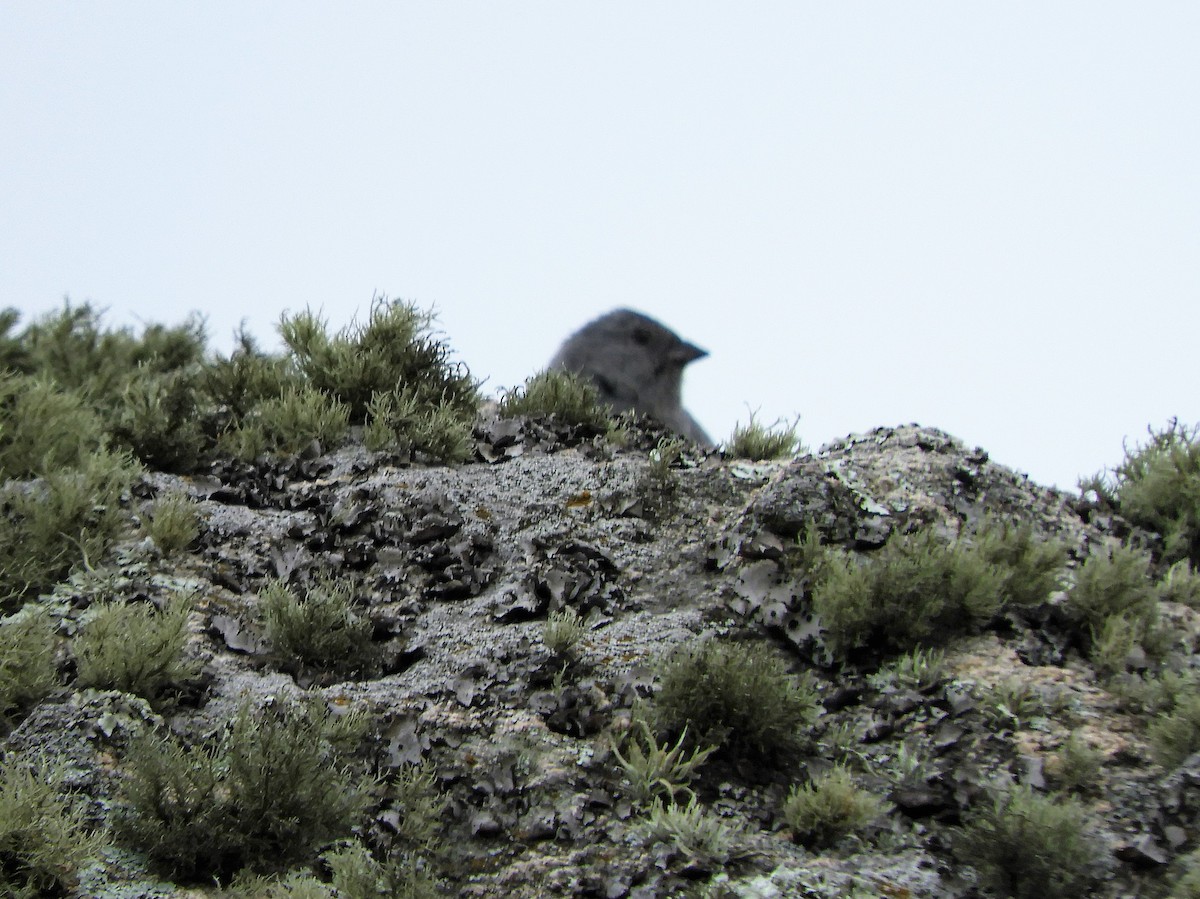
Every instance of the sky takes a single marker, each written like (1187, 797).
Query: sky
(982, 217)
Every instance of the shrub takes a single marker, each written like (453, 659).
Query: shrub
(49, 526)
(734, 696)
(44, 837)
(236, 386)
(43, 428)
(569, 397)
(830, 807)
(1117, 584)
(396, 419)
(1175, 735)
(135, 648)
(173, 523)
(267, 792)
(1030, 846)
(1158, 487)
(914, 591)
(707, 840)
(289, 424)
(395, 349)
(1187, 881)
(157, 417)
(357, 875)
(563, 629)
(1031, 568)
(917, 669)
(322, 630)
(27, 669)
(1076, 765)
(653, 771)
(758, 442)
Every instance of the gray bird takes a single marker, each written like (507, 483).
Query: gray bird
(637, 364)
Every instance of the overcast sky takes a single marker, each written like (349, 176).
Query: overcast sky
(982, 217)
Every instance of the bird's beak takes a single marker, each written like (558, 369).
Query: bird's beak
(688, 352)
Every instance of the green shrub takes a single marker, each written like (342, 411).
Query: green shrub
(289, 424)
(707, 840)
(27, 669)
(1181, 584)
(734, 696)
(1175, 735)
(915, 591)
(267, 792)
(1030, 846)
(758, 442)
(1076, 765)
(173, 523)
(44, 836)
(398, 420)
(1032, 568)
(43, 428)
(569, 397)
(157, 417)
(1187, 881)
(1114, 584)
(419, 802)
(357, 875)
(236, 386)
(653, 771)
(830, 807)
(1158, 487)
(320, 630)
(49, 526)
(917, 669)
(135, 648)
(395, 349)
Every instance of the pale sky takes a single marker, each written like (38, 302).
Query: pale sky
(982, 217)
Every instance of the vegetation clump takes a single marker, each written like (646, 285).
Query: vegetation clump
(562, 630)
(136, 648)
(1031, 846)
(568, 397)
(758, 442)
(28, 672)
(734, 696)
(267, 792)
(707, 840)
(658, 771)
(830, 807)
(44, 836)
(319, 630)
(172, 523)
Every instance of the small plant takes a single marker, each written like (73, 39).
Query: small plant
(653, 771)
(1031, 568)
(289, 424)
(1117, 583)
(758, 442)
(43, 428)
(917, 669)
(703, 837)
(44, 837)
(1076, 765)
(156, 417)
(1012, 703)
(1187, 881)
(51, 525)
(734, 696)
(173, 523)
(830, 807)
(320, 630)
(268, 791)
(1030, 846)
(397, 419)
(1181, 584)
(27, 669)
(135, 648)
(914, 592)
(1158, 487)
(563, 629)
(415, 795)
(357, 875)
(1175, 735)
(569, 397)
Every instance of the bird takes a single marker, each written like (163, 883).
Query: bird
(636, 364)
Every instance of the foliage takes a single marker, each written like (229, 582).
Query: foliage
(135, 648)
(173, 523)
(320, 630)
(917, 669)
(734, 696)
(915, 591)
(288, 424)
(1158, 487)
(1031, 568)
(705, 838)
(397, 419)
(43, 428)
(27, 669)
(157, 417)
(563, 629)
(758, 442)
(653, 771)
(267, 792)
(1175, 735)
(1076, 765)
(830, 807)
(1030, 846)
(420, 803)
(395, 349)
(50, 525)
(569, 397)
(44, 836)
(357, 875)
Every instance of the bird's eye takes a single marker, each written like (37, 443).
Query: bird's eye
(641, 336)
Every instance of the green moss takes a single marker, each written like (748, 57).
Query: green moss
(735, 696)
(44, 836)
(266, 793)
(135, 648)
(830, 807)
(28, 672)
(1031, 846)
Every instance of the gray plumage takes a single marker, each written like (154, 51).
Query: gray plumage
(637, 364)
